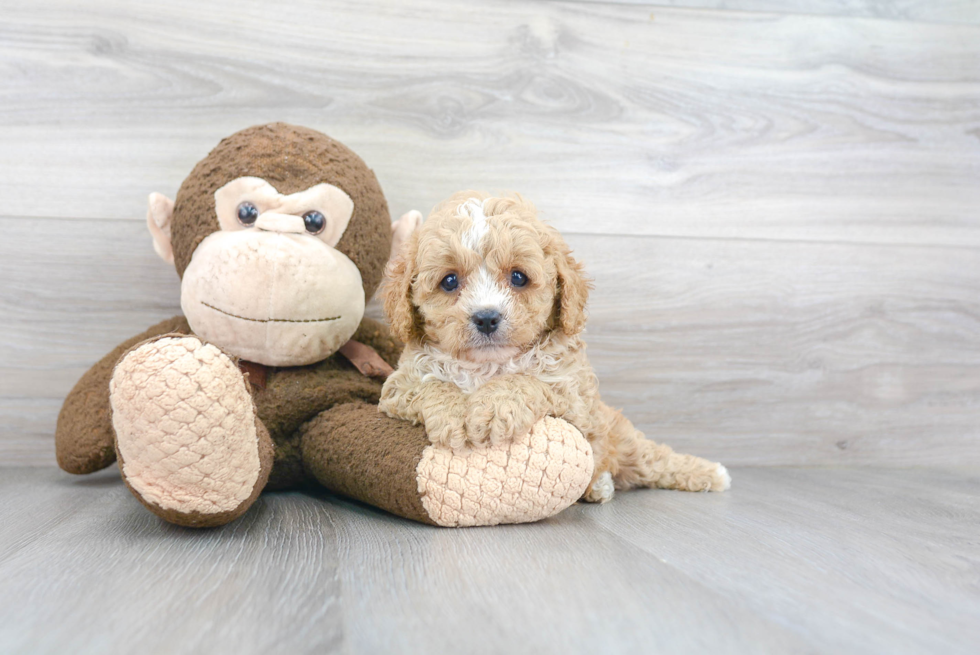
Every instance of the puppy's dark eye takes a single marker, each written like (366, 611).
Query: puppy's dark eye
(518, 279)
(247, 213)
(314, 221)
(450, 282)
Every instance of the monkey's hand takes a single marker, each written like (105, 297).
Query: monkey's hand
(507, 407)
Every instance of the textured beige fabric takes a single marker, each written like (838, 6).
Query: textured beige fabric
(159, 216)
(335, 205)
(279, 299)
(185, 426)
(540, 474)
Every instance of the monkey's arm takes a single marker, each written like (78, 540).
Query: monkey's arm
(84, 439)
(375, 334)
(390, 464)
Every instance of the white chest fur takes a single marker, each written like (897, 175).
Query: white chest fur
(432, 364)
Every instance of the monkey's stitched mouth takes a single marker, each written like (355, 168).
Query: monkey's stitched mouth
(272, 320)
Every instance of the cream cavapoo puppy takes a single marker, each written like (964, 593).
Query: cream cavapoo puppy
(491, 307)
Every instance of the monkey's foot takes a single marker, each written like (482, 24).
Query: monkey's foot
(536, 476)
(188, 442)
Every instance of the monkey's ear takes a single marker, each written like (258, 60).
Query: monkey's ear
(402, 229)
(159, 214)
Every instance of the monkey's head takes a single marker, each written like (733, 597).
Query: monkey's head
(279, 235)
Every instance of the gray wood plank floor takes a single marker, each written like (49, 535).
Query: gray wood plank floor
(793, 560)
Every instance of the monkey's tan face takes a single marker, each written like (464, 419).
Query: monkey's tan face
(269, 286)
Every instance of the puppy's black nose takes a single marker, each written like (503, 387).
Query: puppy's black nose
(487, 320)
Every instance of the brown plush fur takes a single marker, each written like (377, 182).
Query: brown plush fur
(337, 400)
(355, 450)
(292, 159)
(84, 440)
(465, 386)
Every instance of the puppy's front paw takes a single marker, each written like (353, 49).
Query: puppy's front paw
(445, 422)
(498, 418)
(510, 423)
(446, 429)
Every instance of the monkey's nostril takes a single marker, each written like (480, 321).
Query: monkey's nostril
(487, 321)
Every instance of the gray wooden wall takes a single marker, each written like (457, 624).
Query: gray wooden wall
(781, 210)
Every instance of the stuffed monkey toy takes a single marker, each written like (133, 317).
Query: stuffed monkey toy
(271, 377)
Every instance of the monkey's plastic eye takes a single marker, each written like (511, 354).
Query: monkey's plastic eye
(247, 213)
(450, 282)
(314, 221)
(518, 279)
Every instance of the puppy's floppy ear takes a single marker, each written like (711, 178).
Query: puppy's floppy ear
(573, 288)
(396, 293)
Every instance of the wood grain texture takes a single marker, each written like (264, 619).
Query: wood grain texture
(777, 352)
(778, 203)
(791, 560)
(695, 123)
(890, 557)
(939, 11)
(86, 569)
(779, 209)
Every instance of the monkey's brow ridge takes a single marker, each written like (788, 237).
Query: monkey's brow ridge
(272, 320)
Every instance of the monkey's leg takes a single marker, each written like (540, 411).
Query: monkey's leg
(84, 440)
(641, 462)
(189, 444)
(355, 450)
